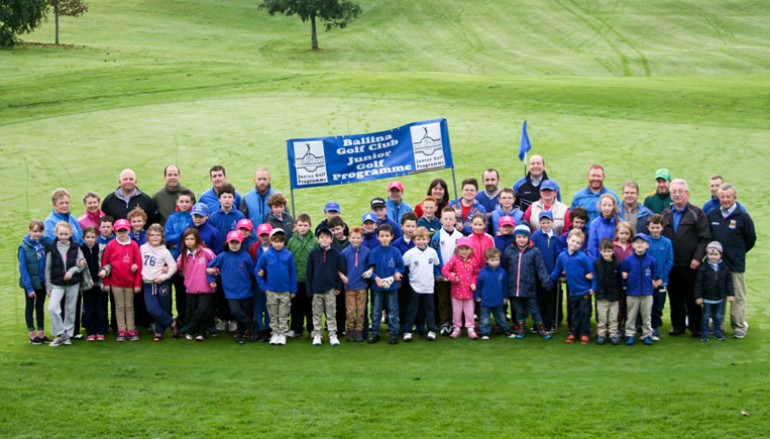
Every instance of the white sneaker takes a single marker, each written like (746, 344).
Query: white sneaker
(221, 326)
(57, 341)
(333, 340)
(407, 336)
(292, 334)
(281, 340)
(274, 339)
(317, 340)
(67, 341)
(233, 327)
(432, 336)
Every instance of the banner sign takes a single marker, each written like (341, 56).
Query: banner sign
(416, 147)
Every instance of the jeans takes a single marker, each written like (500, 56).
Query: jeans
(712, 311)
(261, 317)
(35, 306)
(417, 301)
(658, 303)
(485, 322)
(157, 299)
(524, 306)
(390, 299)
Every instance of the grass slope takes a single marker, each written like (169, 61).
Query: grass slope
(635, 86)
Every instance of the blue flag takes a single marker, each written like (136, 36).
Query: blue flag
(524, 145)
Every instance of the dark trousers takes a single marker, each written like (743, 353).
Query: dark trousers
(418, 302)
(404, 297)
(580, 313)
(113, 312)
(95, 311)
(547, 300)
(221, 305)
(199, 313)
(301, 311)
(341, 312)
(180, 297)
(141, 317)
(239, 311)
(681, 288)
(443, 302)
(157, 297)
(35, 307)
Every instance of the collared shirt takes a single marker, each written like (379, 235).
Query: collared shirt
(728, 212)
(677, 215)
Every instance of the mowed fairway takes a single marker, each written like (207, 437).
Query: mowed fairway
(633, 85)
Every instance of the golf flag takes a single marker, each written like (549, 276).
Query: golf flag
(524, 145)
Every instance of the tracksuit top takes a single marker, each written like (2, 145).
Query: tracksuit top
(356, 264)
(323, 268)
(387, 261)
(491, 286)
(641, 271)
(120, 257)
(225, 222)
(480, 244)
(236, 269)
(280, 271)
(154, 259)
(574, 267)
(663, 252)
(444, 243)
(193, 266)
(211, 238)
(176, 224)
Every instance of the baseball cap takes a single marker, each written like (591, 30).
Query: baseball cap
(506, 220)
(332, 206)
(547, 185)
(545, 214)
(245, 224)
(521, 229)
(200, 209)
(234, 235)
(368, 216)
(464, 241)
(323, 230)
(122, 224)
(264, 229)
(276, 231)
(641, 236)
(377, 202)
(663, 173)
(714, 245)
(396, 185)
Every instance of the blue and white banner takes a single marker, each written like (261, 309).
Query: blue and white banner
(416, 147)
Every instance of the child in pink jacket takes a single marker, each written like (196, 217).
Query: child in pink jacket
(192, 263)
(462, 272)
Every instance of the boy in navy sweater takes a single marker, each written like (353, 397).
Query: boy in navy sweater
(236, 269)
(549, 244)
(388, 268)
(491, 294)
(323, 284)
(640, 271)
(277, 277)
(607, 286)
(576, 267)
(713, 282)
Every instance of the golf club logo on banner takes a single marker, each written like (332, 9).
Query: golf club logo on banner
(416, 147)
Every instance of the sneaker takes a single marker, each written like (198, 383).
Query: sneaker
(739, 335)
(233, 326)
(615, 341)
(333, 340)
(472, 334)
(199, 338)
(35, 341)
(455, 334)
(407, 337)
(57, 341)
(274, 339)
(720, 337)
(350, 336)
(175, 328)
(78, 336)
(282, 340)
(157, 337)
(601, 340)
(374, 338)
(655, 335)
(91, 338)
(570, 339)
(317, 340)
(705, 338)
(121, 336)
(511, 335)
(67, 341)
(431, 336)
(393, 339)
(46, 340)
(543, 332)
(445, 330)
(584, 340)
(647, 341)
(221, 326)
(630, 341)
(485, 337)
(133, 336)
(99, 337)
(293, 334)
(239, 339)
(189, 337)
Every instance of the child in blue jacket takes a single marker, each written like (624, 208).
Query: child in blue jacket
(277, 277)
(236, 268)
(640, 271)
(491, 294)
(576, 267)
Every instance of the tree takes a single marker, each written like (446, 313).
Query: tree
(334, 13)
(17, 17)
(70, 8)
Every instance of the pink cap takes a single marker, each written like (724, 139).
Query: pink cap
(506, 220)
(264, 229)
(245, 224)
(396, 185)
(122, 224)
(464, 241)
(234, 235)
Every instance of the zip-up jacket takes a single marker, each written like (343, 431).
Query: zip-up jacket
(608, 282)
(711, 284)
(574, 268)
(736, 234)
(236, 269)
(193, 267)
(280, 271)
(387, 261)
(120, 257)
(524, 267)
(491, 286)
(356, 264)
(323, 268)
(641, 272)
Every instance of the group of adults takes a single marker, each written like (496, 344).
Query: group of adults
(689, 227)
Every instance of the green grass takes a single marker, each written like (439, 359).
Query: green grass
(632, 85)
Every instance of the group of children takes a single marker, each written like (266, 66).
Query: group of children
(429, 275)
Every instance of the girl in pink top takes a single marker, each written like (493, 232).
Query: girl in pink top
(462, 272)
(480, 241)
(192, 263)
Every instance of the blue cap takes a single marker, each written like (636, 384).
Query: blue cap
(547, 185)
(332, 206)
(369, 216)
(545, 214)
(641, 236)
(324, 230)
(200, 209)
